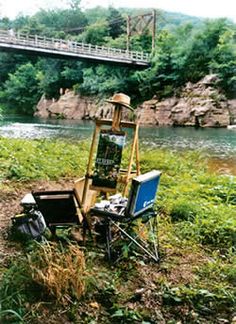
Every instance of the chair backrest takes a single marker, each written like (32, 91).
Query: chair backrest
(142, 193)
(57, 207)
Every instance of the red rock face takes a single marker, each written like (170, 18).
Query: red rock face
(199, 104)
(232, 111)
(72, 106)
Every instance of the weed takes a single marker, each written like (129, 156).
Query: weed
(202, 299)
(183, 209)
(8, 314)
(49, 272)
(16, 290)
(125, 315)
(60, 271)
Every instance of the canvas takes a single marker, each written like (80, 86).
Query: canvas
(108, 159)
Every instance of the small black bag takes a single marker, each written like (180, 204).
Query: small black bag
(31, 223)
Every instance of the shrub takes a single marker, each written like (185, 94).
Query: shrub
(184, 209)
(217, 227)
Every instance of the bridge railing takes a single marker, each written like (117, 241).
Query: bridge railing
(69, 46)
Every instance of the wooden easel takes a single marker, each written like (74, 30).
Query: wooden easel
(125, 175)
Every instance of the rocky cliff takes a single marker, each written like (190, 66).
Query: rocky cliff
(71, 106)
(201, 104)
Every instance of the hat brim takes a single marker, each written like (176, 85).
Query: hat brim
(120, 103)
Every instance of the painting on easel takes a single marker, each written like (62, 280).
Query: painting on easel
(108, 159)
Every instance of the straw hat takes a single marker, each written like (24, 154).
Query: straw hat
(121, 99)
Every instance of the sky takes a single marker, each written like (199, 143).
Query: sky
(200, 8)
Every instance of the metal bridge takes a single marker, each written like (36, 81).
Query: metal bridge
(52, 47)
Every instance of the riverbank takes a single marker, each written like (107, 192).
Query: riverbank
(195, 280)
(201, 105)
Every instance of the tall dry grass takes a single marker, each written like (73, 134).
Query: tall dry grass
(60, 271)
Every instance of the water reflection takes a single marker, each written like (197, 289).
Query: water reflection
(219, 142)
(35, 128)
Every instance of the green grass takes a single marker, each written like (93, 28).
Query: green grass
(41, 159)
(197, 227)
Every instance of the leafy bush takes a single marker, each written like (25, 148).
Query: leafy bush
(184, 209)
(217, 227)
(21, 90)
(200, 299)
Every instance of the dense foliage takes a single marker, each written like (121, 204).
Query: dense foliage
(187, 49)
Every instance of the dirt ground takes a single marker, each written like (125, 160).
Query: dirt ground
(10, 197)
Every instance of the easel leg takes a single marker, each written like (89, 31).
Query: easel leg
(89, 167)
(133, 149)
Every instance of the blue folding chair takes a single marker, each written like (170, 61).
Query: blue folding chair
(135, 221)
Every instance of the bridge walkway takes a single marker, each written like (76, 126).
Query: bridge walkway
(45, 46)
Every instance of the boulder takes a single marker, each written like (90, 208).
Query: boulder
(42, 107)
(156, 113)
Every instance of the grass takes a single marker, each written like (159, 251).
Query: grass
(41, 159)
(195, 281)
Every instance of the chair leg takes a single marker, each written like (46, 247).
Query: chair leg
(86, 225)
(53, 230)
(148, 248)
(108, 239)
(153, 230)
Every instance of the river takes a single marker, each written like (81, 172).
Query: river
(220, 144)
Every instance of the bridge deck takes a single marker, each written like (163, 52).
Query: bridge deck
(45, 46)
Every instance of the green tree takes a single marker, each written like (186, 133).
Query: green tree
(224, 61)
(188, 54)
(20, 22)
(61, 19)
(160, 78)
(142, 42)
(95, 34)
(50, 76)
(104, 80)
(116, 23)
(201, 53)
(9, 63)
(56, 74)
(33, 27)
(5, 23)
(96, 14)
(21, 91)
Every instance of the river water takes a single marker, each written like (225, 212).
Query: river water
(220, 144)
